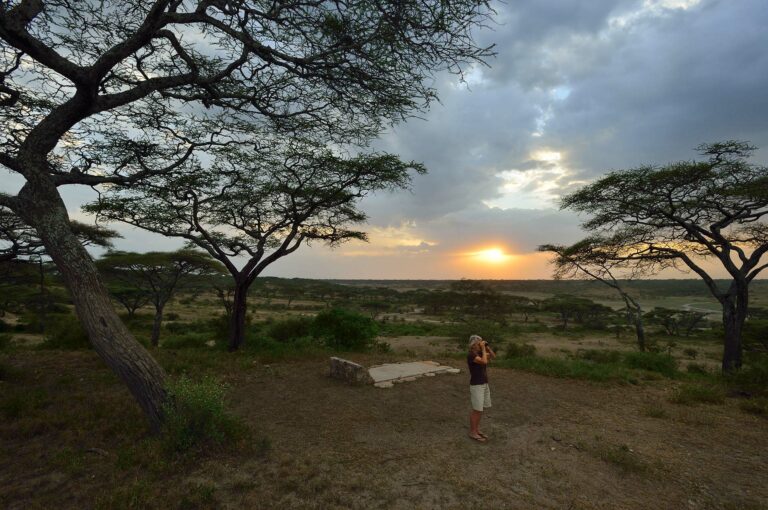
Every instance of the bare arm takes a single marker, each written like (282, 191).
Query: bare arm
(483, 359)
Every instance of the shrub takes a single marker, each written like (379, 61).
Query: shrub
(4, 326)
(344, 330)
(690, 352)
(652, 361)
(696, 368)
(195, 415)
(289, 330)
(5, 341)
(699, 393)
(489, 330)
(599, 355)
(171, 316)
(515, 350)
(66, 333)
(188, 340)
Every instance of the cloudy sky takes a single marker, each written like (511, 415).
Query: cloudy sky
(578, 88)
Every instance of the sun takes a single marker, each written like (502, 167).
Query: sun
(491, 255)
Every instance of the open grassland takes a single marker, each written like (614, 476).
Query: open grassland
(581, 419)
(72, 438)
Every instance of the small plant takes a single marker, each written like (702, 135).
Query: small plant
(652, 361)
(689, 394)
(622, 457)
(599, 355)
(5, 341)
(515, 350)
(66, 333)
(195, 415)
(289, 330)
(690, 352)
(697, 368)
(656, 411)
(758, 406)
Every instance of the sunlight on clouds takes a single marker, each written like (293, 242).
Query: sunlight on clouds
(537, 188)
(388, 241)
(652, 8)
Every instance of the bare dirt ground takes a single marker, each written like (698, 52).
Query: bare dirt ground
(555, 443)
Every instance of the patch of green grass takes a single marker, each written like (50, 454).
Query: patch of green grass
(652, 362)
(570, 368)
(516, 350)
(599, 355)
(390, 328)
(689, 394)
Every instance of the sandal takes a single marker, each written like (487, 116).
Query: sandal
(479, 439)
(482, 435)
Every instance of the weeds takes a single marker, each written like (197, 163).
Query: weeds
(690, 394)
(195, 416)
(757, 406)
(652, 362)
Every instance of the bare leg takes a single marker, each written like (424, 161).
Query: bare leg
(474, 423)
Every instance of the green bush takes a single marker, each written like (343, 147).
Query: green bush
(65, 332)
(195, 416)
(599, 355)
(652, 361)
(289, 330)
(4, 326)
(5, 341)
(188, 340)
(515, 350)
(344, 330)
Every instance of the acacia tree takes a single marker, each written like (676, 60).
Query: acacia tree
(22, 250)
(684, 213)
(597, 258)
(257, 205)
(95, 93)
(157, 274)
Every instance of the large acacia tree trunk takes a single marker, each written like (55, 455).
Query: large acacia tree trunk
(237, 318)
(44, 210)
(734, 314)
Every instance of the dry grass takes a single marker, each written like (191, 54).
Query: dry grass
(71, 437)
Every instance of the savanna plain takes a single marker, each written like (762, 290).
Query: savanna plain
(581, 418)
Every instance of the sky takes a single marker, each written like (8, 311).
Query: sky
(578, 88)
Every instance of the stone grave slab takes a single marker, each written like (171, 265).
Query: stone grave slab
(384, 376)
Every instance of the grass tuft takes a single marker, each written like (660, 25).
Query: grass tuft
(690, 394)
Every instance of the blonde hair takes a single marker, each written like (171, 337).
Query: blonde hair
(473, 341)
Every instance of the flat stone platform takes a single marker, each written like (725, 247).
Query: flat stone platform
(384, 376)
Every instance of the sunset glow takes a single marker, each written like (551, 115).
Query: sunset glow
(491, 256)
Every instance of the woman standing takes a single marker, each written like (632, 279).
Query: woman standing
(480, 353)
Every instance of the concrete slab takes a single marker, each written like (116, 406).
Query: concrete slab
(385, 375)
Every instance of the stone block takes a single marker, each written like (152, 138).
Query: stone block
(349, 372)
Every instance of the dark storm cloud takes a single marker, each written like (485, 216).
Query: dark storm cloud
(608, 84)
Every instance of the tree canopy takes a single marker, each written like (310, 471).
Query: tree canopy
(681, 214)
